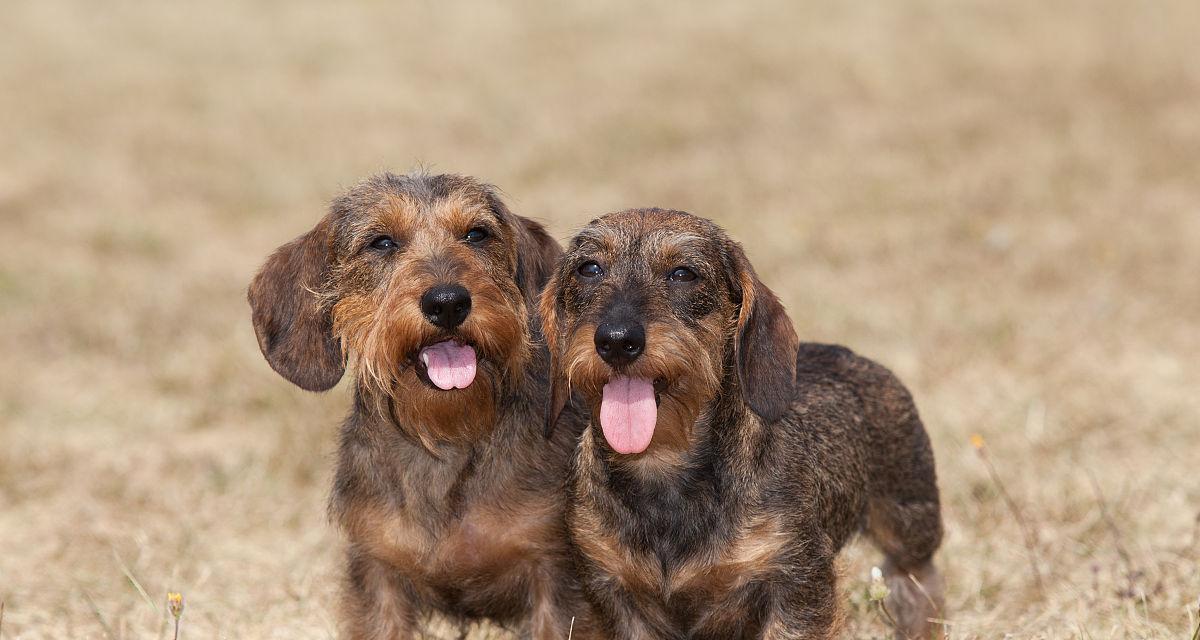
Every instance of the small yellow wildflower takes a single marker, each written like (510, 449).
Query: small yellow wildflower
(977, 441)
(175, 606)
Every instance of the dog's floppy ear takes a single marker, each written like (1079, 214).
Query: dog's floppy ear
(765, 343)
(537, 252)
(537, 257)
(294, 328)
(552, 329)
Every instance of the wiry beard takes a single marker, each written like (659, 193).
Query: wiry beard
(381, 335)
(683, 365)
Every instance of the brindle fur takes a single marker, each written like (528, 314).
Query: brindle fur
(451, 500)
(767, 457)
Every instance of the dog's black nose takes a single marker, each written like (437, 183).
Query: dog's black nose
(446, 305)
(620, 342)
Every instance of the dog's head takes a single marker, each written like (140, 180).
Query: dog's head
(422, 284)
(653, 314)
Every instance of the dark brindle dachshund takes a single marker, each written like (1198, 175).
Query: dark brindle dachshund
(726, 464)
(448, 493)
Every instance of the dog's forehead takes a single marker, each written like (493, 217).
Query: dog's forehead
(453, 210)
(409, 203)
(647, 234)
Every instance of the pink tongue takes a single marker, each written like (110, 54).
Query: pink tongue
(628, 414)
(450, 365)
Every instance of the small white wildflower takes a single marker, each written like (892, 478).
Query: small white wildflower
(878, 590)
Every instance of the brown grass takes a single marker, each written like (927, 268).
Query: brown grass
(1000, 200)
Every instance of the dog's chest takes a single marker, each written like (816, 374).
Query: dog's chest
(495, 539)
(492, 542)
(751, 551)
(691, 591)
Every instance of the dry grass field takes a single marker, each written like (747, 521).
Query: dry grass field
(999, 200)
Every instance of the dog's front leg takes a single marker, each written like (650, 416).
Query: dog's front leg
(379, 603)
(558, 610)
(805, 603)
(620, 616)
(548, 619)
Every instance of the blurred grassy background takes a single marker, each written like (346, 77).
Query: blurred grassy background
(1000, 200)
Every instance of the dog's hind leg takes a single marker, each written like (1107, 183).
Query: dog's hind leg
(915, 600)
(909, 532)
(904, 515)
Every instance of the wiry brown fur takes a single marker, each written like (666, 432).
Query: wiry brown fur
(768, 454)
(451, 500)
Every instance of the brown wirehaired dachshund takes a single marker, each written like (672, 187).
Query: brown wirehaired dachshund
(725, 464)
(449, 494)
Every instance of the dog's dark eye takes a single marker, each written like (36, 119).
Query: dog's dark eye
(476, 235)
(383, 243)
(682, 274)
(590, 269)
